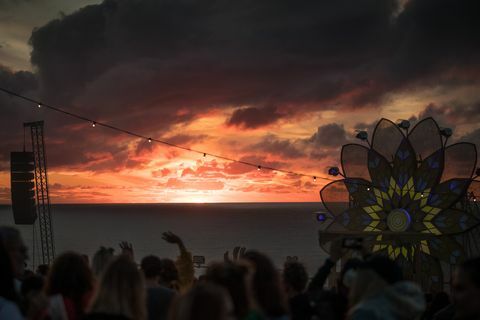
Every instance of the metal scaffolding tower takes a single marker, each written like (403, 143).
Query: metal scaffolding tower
(41, 190)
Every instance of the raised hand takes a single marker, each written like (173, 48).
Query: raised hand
(238, 253)
(127, 249)
(170, 237)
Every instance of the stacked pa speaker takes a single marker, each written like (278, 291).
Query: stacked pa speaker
(23, 187)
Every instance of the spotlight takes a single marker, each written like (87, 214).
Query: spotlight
(94, 124)
(259, 167)
(314, 179)
(204, 155)
(334, 171)
(446, 132)
(39, 105)
(362, 135)
(149, 139)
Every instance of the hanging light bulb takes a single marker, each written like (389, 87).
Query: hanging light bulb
(204, 155)
(39, 105)
(149, 139)
(259, 167)
(314, 178)
(94, 124)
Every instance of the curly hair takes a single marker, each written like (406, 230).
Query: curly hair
(295, 275)
(71, 277)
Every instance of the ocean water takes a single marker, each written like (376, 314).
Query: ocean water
(277, 229)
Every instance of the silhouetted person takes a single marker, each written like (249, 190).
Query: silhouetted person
(42, 270)
(204, 301)
(169, 274)
(183, 264)
(295, 278)
(16, 249)
(34, 300)
(267, 288)
(466, 290)
(69, 286)
(378, 292)
(232, 277)
(159, 297)
(8, 296)
(120, 294)
(332, 304)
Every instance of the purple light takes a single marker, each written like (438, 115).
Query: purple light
(321, 217)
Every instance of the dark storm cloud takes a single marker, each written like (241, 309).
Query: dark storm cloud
(284, 148)
(457, 113)
(17, 81)
(211, 53)
(330, 135)
(310, 54)
(12, 112)
(473, 137)
(253, 117)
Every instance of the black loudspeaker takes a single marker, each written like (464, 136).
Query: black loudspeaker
(23, 187)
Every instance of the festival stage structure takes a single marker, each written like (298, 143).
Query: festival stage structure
(410, 196)
(30, 195)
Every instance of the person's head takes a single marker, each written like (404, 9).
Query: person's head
(376, 273)
(267, 288)
(232, 277)
(204, 301)
(32, 284)
(466, 289)
(151, 267)
(70, 277)
(7, 288)
(43, 269)
(121, 291)
(34, 300)
(101, 259)
(295, 278)
(15, 247)
(169, 274)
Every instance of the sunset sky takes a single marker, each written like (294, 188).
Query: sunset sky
(280, 83)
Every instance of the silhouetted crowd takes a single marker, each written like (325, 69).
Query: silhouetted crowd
(243, 286)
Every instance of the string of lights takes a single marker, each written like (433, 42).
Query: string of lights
(332, 171)
(95, 123)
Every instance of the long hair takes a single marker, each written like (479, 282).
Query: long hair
(232, 277)
(71, 277)
(205, 301)
(268, 291)
(121, 291)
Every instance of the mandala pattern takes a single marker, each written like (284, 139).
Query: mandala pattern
(405, 193)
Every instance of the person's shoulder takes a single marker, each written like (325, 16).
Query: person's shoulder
(161, 291)
(9, 310)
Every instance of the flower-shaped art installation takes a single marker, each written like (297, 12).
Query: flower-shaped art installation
(406, 193)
